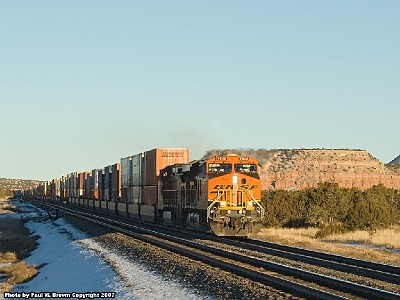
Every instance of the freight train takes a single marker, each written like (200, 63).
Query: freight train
(220, 194)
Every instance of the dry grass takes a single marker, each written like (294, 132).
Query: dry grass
(6, 206)
(19, 272)
(8, 257)
(381, 246)
(14, 237)
(388, 238)
(15, 245)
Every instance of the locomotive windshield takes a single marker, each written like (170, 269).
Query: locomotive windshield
(219, 168)
(246, 168)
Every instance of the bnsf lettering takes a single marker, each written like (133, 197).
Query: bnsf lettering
(247, 187)
(223, 187)
(172, 154)
(230, 187)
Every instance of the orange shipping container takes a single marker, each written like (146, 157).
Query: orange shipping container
(157, 159)
(115, 181)
(81, 180)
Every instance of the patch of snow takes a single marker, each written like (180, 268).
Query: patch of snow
(362, 245)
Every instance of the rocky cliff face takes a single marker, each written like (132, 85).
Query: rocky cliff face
(301, 168)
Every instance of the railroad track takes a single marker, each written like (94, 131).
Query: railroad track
(383, 272)
(253, 266)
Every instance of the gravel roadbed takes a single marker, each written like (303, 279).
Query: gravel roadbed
(207, 281)
(394, 288)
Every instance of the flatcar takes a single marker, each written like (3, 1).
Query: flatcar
(221, 193)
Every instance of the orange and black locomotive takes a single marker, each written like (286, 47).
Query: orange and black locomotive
(221, 194)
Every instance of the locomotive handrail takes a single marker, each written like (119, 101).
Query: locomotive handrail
(212, 204)
(262, 210)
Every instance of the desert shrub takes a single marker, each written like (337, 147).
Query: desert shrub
(372, 209)
(332, 209)
(331, 228)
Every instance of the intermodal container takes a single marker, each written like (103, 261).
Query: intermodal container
(87, 185)
(126, 171)
(125, 194)
(100, 175)
(95, 179)
(136, 194)
(58, 187)
(159, 158)
(81, 184)
(137, 170)
(74, 183)
(71, 185)
(107, 177)
(115, 180)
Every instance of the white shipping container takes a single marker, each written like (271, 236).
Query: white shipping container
(74, 183)
(46, 188)
(126, 171)
(95, 179)
(58, 187)
(137, 169)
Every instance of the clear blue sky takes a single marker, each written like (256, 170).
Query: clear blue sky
(84, 83)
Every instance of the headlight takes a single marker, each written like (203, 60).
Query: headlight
(250, 203)
(223, 203)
